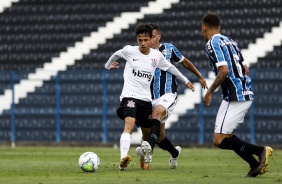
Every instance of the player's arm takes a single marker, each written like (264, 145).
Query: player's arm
(189, 66)
(112, 62)
(172, 69)
(247, 71)
(166, 66)
(223, 72)
(178, 57)
(122, 53)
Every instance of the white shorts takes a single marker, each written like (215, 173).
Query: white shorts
(168, 100)
(229, 115)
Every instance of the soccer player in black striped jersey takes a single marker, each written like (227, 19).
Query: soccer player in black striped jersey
(136, 106)
(164, 95)
(232, 74)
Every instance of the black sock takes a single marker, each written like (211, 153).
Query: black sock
(154, 133)
(247, 156)
(166, 145)
(240, 146)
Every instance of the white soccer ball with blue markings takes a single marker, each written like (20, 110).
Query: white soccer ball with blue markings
(89, 162)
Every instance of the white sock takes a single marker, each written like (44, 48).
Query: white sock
(125, 141)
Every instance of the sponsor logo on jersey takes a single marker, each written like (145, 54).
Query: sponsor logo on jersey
(154, 62)
(130, 104)
(135, 59)
(247, 93)
(142, 74)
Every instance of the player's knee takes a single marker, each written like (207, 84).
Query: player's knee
(217, 140)
(158, 114)
(129, 127)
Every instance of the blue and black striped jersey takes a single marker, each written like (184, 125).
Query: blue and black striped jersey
(222, 50)
(165, 82)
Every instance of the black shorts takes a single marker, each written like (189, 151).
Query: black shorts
(138, 109)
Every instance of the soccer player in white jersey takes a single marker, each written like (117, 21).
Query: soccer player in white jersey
(136, 102)
(164, 95)
(232, 74)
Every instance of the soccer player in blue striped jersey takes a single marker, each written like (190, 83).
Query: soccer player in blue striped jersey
(164, 96)
(232, 74)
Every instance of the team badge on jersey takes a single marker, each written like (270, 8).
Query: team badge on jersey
(131, 104)
(154, 62)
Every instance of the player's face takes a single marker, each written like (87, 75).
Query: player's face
(155, 41)
(144, 43)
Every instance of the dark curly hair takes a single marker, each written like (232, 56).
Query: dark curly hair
(144, 29)
(211, 20)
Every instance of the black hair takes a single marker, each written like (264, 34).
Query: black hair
(211, 20)
(155, 27)
(144, 29)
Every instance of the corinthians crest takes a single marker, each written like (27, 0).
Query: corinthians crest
(154, 62)
(130, 104)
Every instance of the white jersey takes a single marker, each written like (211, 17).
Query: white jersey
(139, 71)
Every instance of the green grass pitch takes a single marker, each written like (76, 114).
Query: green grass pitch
(59, 165)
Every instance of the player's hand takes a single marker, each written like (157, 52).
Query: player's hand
(203, 83)
(114, 65)
(207, 98)
(190, 86)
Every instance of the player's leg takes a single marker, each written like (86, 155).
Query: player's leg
(230, 114)
(127, 112)
(144, 121)
(248, 158)
(148, 146)
(139, 152)
(163, 108)
(168, 101)
(125, 141)
(165, 144)
(158, 114)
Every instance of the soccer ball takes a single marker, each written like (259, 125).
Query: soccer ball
(89, 162)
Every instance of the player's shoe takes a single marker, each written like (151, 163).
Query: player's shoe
(124, 162)
(173, 161)
(264, 158)
(143, 165)
(147, 151)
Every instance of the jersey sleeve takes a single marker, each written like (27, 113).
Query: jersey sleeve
(167, 66)
(176, 56)
(217, 50)
(122, 53)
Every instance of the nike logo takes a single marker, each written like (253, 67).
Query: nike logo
(135, 59)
